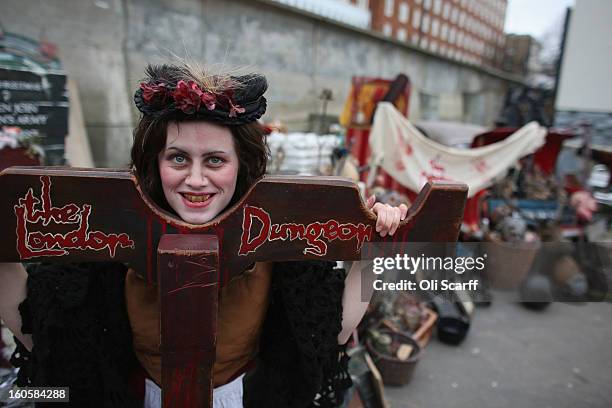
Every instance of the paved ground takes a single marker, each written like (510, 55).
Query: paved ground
(514, 357)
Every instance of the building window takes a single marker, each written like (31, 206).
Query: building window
(427, 4)
(418, 1)
(415, 38)
(454, 15)
(387, 30)
(435, 27)
(425, 27)
(446, 11)
(437, 6)
(453, 35)
(403, 12)
(433, 46)
(462, 19)
(401, 34)
(389, 6)
(444, 32)
(429, 106)
(416, 18)
(425, 43)
(474, 108)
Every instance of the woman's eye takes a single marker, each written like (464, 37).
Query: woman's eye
(178, 159)
(215, 161)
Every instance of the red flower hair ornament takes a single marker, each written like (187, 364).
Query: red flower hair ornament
(188, 96)
(237, 101)
(154, 93)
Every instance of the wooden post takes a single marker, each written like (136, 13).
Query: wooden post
(188, 284)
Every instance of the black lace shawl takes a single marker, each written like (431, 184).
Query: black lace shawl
(300, 363)
(81, 333)
(82, 337)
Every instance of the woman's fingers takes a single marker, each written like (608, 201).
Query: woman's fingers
(403, 211)
(371, 201)
(395, 220)
(381, 220)
(388, 218)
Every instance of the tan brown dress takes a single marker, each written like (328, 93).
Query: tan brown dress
(243, 304)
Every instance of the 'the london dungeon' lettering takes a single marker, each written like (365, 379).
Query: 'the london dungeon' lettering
(315, 234)
(40, 210)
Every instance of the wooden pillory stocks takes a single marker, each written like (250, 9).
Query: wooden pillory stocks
(73, 215)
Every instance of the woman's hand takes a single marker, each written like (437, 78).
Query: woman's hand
(13, 278)
(388, 217)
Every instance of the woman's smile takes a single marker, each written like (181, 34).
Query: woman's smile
(196, 200)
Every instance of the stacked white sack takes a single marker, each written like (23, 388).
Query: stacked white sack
(304, 153)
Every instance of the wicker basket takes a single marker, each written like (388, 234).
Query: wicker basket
(508, 264)
(393, 370)
(424, 332)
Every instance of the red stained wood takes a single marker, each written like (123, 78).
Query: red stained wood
(101, 214)
(116, 206)
(188, 285)
(17, 157)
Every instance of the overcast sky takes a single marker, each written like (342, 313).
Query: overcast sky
(534, 17)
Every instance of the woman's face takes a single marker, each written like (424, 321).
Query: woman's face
(198, 169)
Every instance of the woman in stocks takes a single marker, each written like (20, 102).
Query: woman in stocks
(281, 327)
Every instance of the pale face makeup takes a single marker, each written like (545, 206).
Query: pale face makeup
(198, 168)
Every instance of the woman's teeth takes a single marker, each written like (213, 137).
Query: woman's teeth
(196, 198)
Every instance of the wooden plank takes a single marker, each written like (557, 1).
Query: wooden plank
(188, 291)
(105, 216)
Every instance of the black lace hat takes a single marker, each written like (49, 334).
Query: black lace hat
(171, 90)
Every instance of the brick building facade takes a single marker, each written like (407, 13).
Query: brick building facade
(465, 30)
(520, 51)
